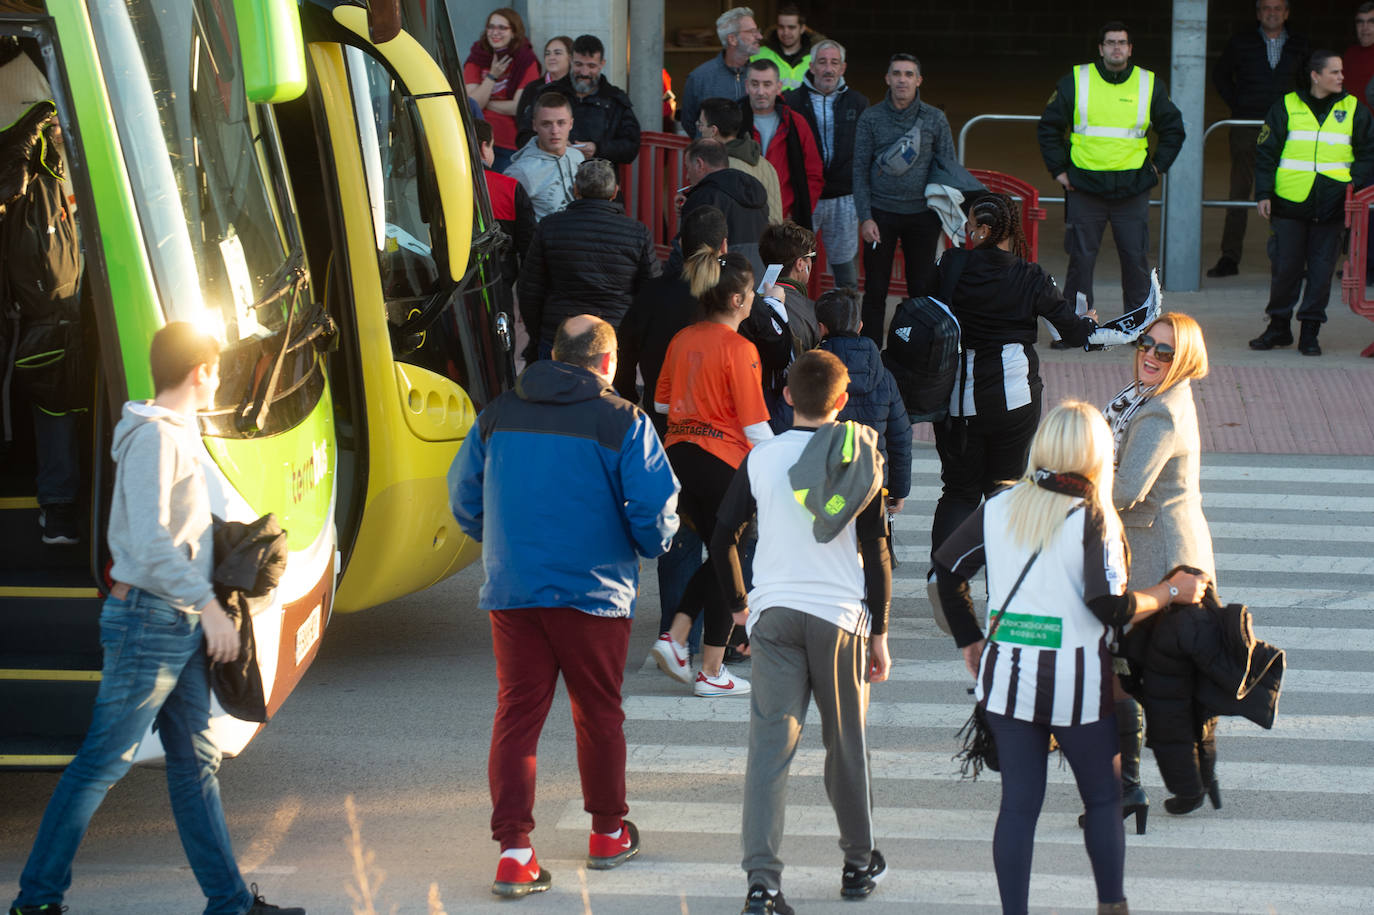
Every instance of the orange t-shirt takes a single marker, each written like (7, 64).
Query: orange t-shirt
(713, 385)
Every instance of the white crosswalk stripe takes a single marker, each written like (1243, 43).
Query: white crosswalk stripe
(1292, 544)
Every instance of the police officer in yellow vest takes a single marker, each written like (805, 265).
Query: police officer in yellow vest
(1314, 144)
(1094, 140)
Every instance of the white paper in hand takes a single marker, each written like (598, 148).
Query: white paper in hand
(770, 276)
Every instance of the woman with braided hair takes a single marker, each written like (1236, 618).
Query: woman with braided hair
(998, 298)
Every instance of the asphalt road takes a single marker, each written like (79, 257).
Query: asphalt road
(395, 715)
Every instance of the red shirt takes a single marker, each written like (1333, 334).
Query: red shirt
(502, 125)
(501, 189)
(713, 385)
(1358, 63)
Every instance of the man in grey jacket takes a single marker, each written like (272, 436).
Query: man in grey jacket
(894, 145)
(546, 166)
(160, 626)
(723, 76)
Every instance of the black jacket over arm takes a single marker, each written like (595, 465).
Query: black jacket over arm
(1326, 201)
(1057, 121)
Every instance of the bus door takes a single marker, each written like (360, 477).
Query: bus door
(398, 176)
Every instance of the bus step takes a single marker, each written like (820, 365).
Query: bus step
(42, 722)
(50, 633)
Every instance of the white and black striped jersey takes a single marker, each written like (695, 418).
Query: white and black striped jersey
(998, 300)
(1048, 662)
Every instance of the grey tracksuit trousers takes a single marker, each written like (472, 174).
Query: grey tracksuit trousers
(798, 657)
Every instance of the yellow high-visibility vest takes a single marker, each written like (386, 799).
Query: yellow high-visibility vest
(1311, 147)
(1110, 120)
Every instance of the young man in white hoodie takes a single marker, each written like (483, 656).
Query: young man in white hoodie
(546, 166)
(818, 626)
(160, 627)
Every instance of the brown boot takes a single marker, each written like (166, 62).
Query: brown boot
(1113, 908)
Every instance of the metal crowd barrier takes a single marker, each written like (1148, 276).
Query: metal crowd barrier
(1353, 288)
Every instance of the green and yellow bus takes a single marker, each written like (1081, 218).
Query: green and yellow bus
(299, 181)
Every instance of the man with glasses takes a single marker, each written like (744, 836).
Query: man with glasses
(1093, 140)
(1255, 70)
(723, 76)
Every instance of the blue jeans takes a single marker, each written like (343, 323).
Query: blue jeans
(675, 569)
(59, 467)
(155, 671)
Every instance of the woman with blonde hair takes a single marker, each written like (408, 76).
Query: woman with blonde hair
(1157, 490)
(1056, 574)
(711, 389)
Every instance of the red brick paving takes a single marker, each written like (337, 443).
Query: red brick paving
(1247, 409)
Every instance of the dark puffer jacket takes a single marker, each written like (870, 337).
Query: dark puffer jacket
(1199, 661)
(605, 118)
(588, 259)
(874, 401)
(739, 196)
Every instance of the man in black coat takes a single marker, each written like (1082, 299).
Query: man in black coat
(740, 197)
(587, 259)
(604, 123)
(832, 109)
(1257, 69)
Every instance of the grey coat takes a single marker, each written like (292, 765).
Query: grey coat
(1157, 489)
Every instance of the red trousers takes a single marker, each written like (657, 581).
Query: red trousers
(531, 647)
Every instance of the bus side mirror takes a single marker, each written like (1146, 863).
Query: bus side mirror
(272, 50)
(383, 20)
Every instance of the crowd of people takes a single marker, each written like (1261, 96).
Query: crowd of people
(818, 154)
(773, 434)
(712, 405)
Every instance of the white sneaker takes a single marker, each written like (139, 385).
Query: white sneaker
(722, 684)
(673, 659)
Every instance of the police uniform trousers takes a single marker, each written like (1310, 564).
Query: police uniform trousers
(1086, 216)
(1302, 245)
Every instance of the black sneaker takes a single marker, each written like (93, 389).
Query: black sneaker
(1061, 344)
(1278, 333)
(59, 525)
(761, 902)
(857, 883)
(47, 908)
(263, 907)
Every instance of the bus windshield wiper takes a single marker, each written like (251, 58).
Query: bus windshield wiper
(288, 280)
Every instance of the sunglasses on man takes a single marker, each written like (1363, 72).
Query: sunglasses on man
(1163, 351)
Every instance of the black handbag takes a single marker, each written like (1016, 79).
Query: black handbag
(979, 750)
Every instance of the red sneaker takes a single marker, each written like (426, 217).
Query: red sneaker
(604, 853)
(514, 879)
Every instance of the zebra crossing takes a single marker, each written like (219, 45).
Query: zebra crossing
(1292, 537)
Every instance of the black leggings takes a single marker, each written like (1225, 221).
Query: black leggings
(705, 479)
(976, 454)
(1023, 751)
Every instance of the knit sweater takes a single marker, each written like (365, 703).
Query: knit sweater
(879, 128)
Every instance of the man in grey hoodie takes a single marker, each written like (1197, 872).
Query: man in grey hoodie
(546, 166)
(160, 627)
(896, 141)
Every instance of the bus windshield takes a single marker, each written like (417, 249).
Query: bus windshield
(210, 189)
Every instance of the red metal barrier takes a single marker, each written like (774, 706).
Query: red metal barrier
(1353, 288)
(650, 183)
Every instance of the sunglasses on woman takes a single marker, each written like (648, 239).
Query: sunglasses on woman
(1163, 351)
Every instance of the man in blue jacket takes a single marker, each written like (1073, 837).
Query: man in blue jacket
(561, 577)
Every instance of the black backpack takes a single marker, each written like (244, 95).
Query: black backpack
(923, 348)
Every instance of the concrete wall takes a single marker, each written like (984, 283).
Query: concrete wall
(608, 20)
